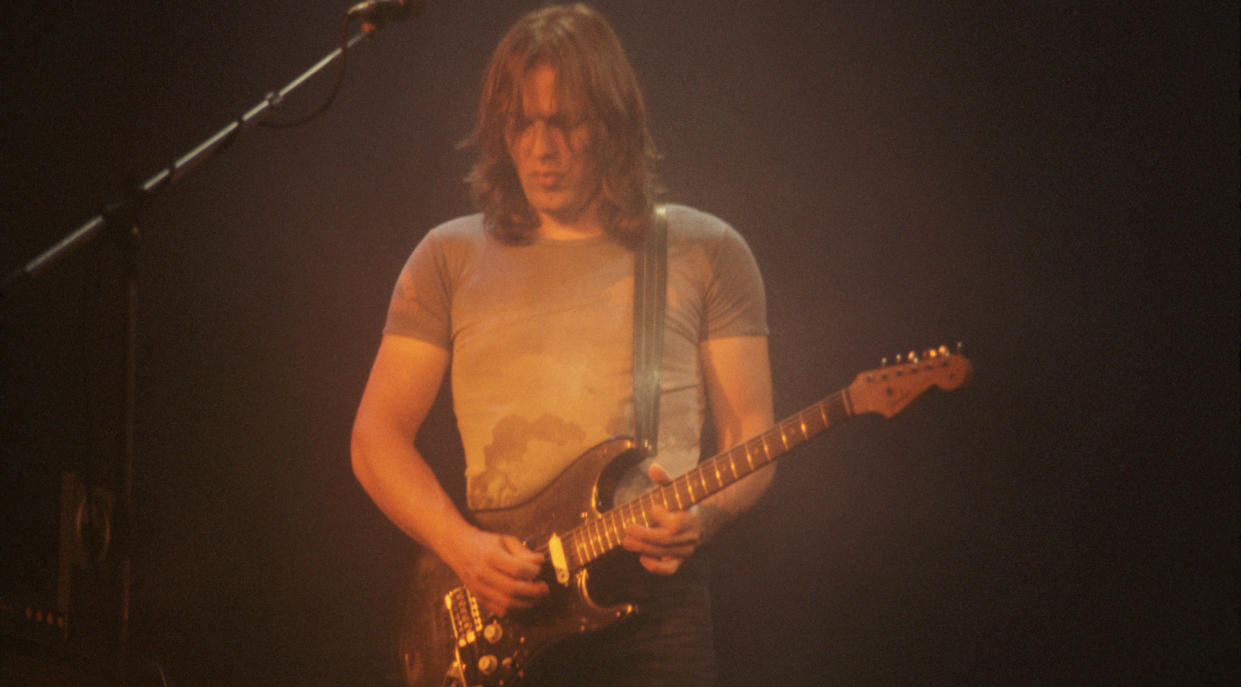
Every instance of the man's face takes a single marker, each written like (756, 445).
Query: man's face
(550, 146)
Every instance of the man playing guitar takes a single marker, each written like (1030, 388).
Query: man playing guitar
(531, 302)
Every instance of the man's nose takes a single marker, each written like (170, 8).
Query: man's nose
(543, 141)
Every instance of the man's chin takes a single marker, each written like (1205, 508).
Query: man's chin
(564, 213)
(564, 208)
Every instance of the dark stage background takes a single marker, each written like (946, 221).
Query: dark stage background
(1055, 186)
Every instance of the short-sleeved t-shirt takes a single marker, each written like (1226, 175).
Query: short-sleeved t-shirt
(541, 337)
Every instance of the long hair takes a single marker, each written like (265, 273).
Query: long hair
(592, 73)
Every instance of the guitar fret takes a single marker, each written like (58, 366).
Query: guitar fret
(583, 541)
(582, 556)
(846, 401)
(579, 545)
(595, 547)
(839, 408)
(610, 531)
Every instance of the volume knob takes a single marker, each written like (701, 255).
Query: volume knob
(488, 664)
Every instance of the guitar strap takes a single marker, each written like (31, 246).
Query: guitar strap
(650, 295)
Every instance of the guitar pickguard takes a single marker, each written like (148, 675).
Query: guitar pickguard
(450, 639)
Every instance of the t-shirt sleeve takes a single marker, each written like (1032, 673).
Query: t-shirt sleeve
(420, 305)
(736, 304)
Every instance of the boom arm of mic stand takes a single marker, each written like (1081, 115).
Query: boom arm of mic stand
(124, 212)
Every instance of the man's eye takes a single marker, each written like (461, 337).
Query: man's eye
(517, 123)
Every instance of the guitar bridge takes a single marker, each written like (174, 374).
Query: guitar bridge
(464, 614)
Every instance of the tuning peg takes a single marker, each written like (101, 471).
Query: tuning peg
(883, 362)
(913, 356)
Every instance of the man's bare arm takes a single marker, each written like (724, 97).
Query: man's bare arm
(737, 372)
(738, 381)
(403, 383)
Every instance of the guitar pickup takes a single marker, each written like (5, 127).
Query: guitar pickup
(559, 563)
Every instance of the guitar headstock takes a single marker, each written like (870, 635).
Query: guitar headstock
(887, 390)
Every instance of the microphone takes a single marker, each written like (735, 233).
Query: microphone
(379, 12)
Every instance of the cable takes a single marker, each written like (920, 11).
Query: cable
(331, 97)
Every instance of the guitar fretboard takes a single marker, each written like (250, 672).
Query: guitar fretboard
(597, 536)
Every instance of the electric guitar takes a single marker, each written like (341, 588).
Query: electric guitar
(449, 639)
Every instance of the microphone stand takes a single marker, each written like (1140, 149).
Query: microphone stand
(118, 223)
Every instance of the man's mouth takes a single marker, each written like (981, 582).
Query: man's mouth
(548, 179)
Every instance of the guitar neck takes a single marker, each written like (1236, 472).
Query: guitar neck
(592, 539)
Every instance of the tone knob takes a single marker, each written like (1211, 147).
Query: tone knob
(493, 632)
(488, 664)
